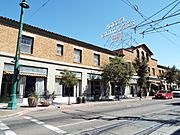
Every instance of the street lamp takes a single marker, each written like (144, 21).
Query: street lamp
(12, 102)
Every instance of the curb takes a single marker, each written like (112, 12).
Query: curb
(24, 111)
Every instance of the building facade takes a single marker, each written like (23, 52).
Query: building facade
(140, 52)
(44, 55)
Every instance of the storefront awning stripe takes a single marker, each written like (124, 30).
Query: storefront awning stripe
(25, 74)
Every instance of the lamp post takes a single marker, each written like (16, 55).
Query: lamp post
(12, 102)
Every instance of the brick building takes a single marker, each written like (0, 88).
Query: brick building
(45, 54)
(139, 51)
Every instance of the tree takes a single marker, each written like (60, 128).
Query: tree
(171, 75)
(68, 80)
(141, 68)
(117, 71)
(178, 78)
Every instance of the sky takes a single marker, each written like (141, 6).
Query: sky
(86, 20)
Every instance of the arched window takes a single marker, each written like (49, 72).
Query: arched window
(137, 53)
(147, 56)
(142, 55)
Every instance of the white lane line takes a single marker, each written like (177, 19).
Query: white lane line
(9, 132)
(51, 127)
(71, 124)
(55, 129)
(3, 126)
(6, 129)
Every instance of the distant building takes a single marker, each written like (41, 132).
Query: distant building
(140, 51)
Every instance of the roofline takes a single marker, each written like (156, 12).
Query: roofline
(144, 46)
(43, 32)
(154, 59)
(160, 66)
(134, 47)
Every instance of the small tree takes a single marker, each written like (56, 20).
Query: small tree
(118, 71)
(68, 80)
(141, 68)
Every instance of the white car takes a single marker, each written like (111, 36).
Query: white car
(176, 93)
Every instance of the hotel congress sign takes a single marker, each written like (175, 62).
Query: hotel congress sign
(116, 27)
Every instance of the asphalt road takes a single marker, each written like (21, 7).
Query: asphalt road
(154, 117)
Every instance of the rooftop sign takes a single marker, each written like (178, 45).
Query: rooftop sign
(116, 27)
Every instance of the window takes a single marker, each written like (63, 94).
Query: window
(149, 71)
(77, 55)
(147, 56)
(68, 91)
(137, 53)
(59, 50)
(97, 59)
(160, 73)
(26, 44)
(142, 53)
(153, 71)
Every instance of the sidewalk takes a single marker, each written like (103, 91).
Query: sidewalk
(23, 109)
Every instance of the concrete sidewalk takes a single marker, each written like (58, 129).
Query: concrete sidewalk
(23, 109)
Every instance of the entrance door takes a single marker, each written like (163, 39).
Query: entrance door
(30, 86)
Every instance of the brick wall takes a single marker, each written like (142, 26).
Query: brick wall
(45, 47)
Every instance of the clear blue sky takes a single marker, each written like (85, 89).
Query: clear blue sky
(86, 20)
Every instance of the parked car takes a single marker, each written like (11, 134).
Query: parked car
(176, 93)
(166, 94)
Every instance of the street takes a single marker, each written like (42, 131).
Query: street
(154, 117)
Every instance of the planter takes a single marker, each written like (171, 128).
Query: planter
(32, 101)
(83, 100)
(79, 100)
(45, 103)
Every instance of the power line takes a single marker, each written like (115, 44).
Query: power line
(36, 11)
(153, 28)
(174, 34)
(156, 13)
(145, 19)
(174, 43)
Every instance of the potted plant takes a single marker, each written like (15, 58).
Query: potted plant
(48, 98)
(33, 100)
(83, 99)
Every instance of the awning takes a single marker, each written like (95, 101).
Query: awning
(25, 74)
(59, 77)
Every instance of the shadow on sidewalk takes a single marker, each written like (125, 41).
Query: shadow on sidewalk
(3, 108)
(177, 132)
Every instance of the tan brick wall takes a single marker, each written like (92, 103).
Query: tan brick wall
(8, 39)
(45, 47)
(153, 64)
(130, 56)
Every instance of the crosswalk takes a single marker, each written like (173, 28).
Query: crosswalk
(51, 127)
(7, 131)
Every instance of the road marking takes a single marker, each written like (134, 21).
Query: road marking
(6, 129)
(76, 123)
(3, 126)
(56, 129)
(51, 127)
(9, 132)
